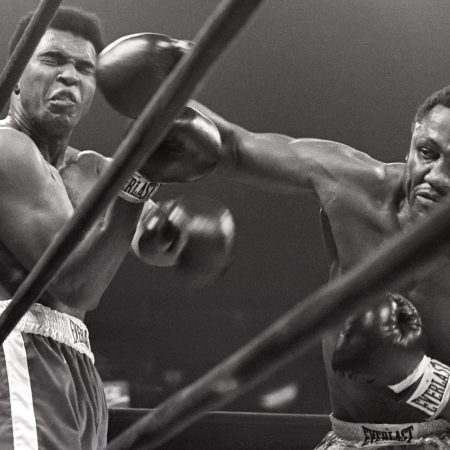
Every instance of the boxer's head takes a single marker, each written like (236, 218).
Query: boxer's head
(76, 21)
(57, 86)
(427, 172)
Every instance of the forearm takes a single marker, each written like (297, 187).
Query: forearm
(90, 268)
(269, 160)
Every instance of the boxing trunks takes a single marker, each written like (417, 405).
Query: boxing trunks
(433, 434)
(51, 396)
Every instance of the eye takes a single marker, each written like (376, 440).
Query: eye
(85, 67)
(427, 153)
(49, 60)
(86, 70)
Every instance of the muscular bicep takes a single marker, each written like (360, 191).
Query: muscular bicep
(316, 166)
(33, 202)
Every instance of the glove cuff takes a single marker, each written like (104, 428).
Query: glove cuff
(138, 189)
(432, 393)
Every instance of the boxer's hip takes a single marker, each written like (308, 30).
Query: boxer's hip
(51, 395)
(433, 434)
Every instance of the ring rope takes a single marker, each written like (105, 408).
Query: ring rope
(159, 112)
(28, 42)
(290, 335)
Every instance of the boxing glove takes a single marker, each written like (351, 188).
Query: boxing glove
(189, 151)
(385, 345)
(382, 344)
(131, 69)
(194, 234)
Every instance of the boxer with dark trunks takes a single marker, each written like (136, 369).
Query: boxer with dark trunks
(51, 396)
(364, 202)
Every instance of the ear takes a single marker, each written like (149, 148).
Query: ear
(17, 90)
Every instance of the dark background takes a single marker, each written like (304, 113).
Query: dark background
(347, 70)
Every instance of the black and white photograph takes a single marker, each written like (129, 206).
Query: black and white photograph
(224, 224)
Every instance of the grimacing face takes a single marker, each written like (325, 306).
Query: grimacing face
(58, 83)
(427, 176)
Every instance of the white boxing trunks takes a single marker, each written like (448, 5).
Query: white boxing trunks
(51, 395)
(433, 434)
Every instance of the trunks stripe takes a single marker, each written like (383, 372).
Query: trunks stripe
(22, 410)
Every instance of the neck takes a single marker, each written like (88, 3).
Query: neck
(52, 147)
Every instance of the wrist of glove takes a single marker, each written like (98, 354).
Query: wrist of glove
(138, 189)
(427, 388)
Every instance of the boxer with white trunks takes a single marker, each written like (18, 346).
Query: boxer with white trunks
(51, 395)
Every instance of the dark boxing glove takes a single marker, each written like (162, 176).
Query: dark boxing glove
(385, 345)
(157, 240)
(131, 69)
(194, 234)
(382, 344)
(189, 151)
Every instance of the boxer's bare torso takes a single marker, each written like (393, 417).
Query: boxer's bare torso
(359, 218)
(357, 224)
(364, 202)
(42, 178)
(54, 192)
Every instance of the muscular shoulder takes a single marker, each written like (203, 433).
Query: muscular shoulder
(86, 158)
(339, 165)
(340, 173)
(331, 153)
(18, 151)
(11, 139)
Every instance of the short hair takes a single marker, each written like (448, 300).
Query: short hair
(440, 97)
(76, 21)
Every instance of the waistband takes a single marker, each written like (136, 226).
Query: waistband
(387, 434)
(61, 327)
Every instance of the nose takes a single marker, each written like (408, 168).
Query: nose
(68, 75)
(438, 177)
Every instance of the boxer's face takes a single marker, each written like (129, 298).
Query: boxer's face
(428, 166)
(58, 83)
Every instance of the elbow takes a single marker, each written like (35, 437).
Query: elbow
(66, 295)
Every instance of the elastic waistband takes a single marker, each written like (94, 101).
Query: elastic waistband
(387, 434)
(61, 327)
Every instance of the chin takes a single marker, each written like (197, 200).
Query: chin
(61, 123)
(421, 213)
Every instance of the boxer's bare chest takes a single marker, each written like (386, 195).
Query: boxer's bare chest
(355, 237)
(426, 285)
(76, 177)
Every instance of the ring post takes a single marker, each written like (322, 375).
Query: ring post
(35, 29)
